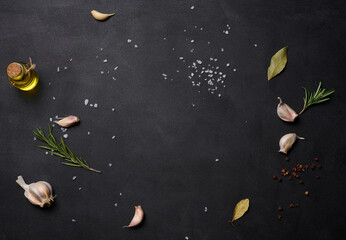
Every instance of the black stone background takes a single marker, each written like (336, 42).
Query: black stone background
(165, 148)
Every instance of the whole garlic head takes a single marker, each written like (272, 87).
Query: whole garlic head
(38, 193)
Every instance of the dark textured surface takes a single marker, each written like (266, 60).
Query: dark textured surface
(167, 134)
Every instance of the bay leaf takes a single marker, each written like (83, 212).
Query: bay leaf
(240, 209)
(277, 63)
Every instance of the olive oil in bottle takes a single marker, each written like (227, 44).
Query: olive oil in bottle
(22, 75)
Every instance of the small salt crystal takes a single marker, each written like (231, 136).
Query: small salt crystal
(255, 45)
(193, 104)
(113, 137)
(109, 164)
(105, 60)
(115, 68)
(79, 188)
(234, 70)
(115, 204)
(58, 69)
(50, 119)
(97, 56)
(74, 178)
(73, 220)
(192, 7)
(222, 49)
(95, 105)
(226, 32)
(192, 41)
(49, 83)
(201, 29)
(114, 78)
(181, 58)
(184, 30)
(136, 46)
(53, 98)
(34, 139)
(70, 59)
(101, 49)
(129, 40)
(88, 133)
(227, 65)
(46, 153)
(164, 38)
(187, 238)
(102, 72)
(65, 135)
(120, 194)
(91, 104)
(217, 160)
(205, 209)
(65, 68)
(113, 109)
(86, 101)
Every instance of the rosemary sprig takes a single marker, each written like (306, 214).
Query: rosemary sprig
(316, 97)
(61, 150)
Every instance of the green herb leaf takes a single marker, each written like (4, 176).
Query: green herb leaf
(277, 63)
(61, 150)
(319, 96)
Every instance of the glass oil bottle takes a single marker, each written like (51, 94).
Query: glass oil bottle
(22, 75)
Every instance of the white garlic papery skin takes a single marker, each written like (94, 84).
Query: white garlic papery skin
(285, 112)
(38, 193)
(68, 121)
(287, 141)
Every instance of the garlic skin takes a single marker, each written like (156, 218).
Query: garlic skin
(285, 112)
(137, 218)
(287, 141)
(38, 193)
(68, 121)
(101, 16)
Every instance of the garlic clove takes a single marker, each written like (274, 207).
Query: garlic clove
(137, 218)
(101, 16)
(287, 141)
(285, 112)
(39, 193)
(68, 121)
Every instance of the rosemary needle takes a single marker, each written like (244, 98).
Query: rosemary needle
(316, 97)
(61, 150)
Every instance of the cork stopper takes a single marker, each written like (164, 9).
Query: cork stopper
(14, 69)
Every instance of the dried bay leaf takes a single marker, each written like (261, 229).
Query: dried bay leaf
(277, 63)
(240, 209)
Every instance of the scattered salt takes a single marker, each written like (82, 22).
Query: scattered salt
(192, 41)
(129, 40)
(70, 59)
(228, 64)
(34, 139)
(217, 160)
(113, 137)
(65, 68)
(86, 101)
(95, 105)
(136, 46)
(74, 178)
(50, 119)
(105, 60)
(53, 98)
(91, 104)
(120, 194)
(115, 204)
(65, 135)
(192, 7)
(234, 70)
(255, 45)
(113, 109)
(46, 153)
(73, 220)
(114, 78)
(109, 164)
(205, 209)
(101, 49)
(115, 68)
(79, 188)
(88, 133)
(102, 72)
(58, 69)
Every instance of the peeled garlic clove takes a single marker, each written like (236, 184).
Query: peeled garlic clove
(68, 121)
(101, 16)
(287, 141)
(39, 193)
(285, 112)
(137, 218)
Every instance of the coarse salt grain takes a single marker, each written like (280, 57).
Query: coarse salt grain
(65, 135)
(95, 105)
(102, 72)
(74, 178)
(217, 160)
(113, 109)
(58, 69)
(109, 164)
(113, 137)
(73, 220)
(65, 68)
(105, 60)
(129, 40)
(115, 68)
(53, 98)
(136, 46)
(192, 7)
(86, 101)
(88, 133)
(115, 204)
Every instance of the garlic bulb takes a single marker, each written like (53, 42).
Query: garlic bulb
(287, 141)
(285, 112)
(68, 121)
(38, 193)
(137, 218)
